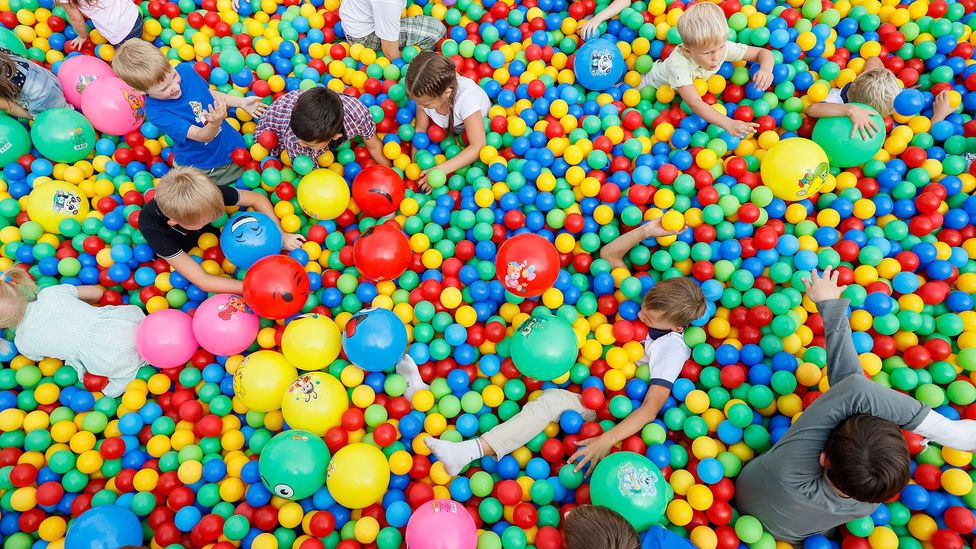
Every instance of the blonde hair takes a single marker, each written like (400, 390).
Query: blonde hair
(875, 88)
(140, 64)
(187, 196)
(594, 527)
(703, 24)
(17, 289)
(679, 300)
(430, 75)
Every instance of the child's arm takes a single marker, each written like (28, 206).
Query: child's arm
(215, 117)
(77, 20)
(860, 117)
(375, 148)
(474, 129)
(90, 294)
(764, 76)
(589, 29)
(193, 272)
(842, 360)
(259, 202)
(252, 104)
(941, 109)
(615, 251)
(14, 109)
(736, 128)
(391, 49)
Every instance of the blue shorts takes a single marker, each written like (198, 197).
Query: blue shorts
(41, 91)
(136, 32)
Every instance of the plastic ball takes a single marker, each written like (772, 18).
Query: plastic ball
(248, 237)
(358, 475)
(77, 72)
(311, 342)
(544, 347)
(374, 339)
(105, 527)
(598, 64)
(795, 169)
(52, 202)
(14, 140)
(382, 252)
(112, 106)
(293, 464)
(633, 486)
(527, 265)
(454, 526)
(261, 380)
(844, 146)
(165, 338)
(378, 191)
(63, 135)
(225, 325)
(276, 286)
(314, 402)
(323, 194)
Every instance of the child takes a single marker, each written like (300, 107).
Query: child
(845, 454)
(26, 88)
(454, 102)
(876, 87)
(310, 121)
(186, 203)
(596, 527)
(704, 47)
(590, 28)
(116, 20)
(182, 105)
(377, 24)
(60, 322)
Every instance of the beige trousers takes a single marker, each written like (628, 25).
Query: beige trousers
(533, 419)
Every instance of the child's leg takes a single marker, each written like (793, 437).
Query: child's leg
(422, 31)
(408, 369)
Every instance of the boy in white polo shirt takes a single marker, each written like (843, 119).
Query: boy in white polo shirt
(378, 25)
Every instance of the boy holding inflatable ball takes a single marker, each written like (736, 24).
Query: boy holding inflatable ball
(845, 454)
(876, 87)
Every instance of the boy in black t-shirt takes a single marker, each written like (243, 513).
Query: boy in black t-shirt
(186, 203)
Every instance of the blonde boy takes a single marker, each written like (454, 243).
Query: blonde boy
(875, 87)
(704, 47)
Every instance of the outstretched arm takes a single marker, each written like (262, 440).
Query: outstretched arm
(615, 251)
(960, 434)
(842, 360)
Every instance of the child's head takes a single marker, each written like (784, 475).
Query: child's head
(189, 198)
(875, 88)
(317, 118)
(867, 459)
(672, 304)
(704, 32)
(8, 89)
(145, 68)
(594, 527)
(17, 289)
(431, 82)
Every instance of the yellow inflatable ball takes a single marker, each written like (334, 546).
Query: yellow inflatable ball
(52, 202)
(795, 168)
(262, 379)
(311, 342)
(314, 402)
(323, 194)
(358, 475)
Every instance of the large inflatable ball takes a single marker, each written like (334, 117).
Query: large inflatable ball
(293, 464)
(795, 169)
(112, 106)
(104, 527)
(79, 71)
(248, 237)
(382, 252)
(358, 475)
(374, 339)
(844, 146)
(544, 347)
(311, 342)
(633, 486)
(14, 140)
(454, 526)
(52, 202)
(261, 380)
(63, 135)
(378, 191)
(165, 338)
(527, 265)
(225, 325)
(323, 194)
(598, 64)
(315, 401)
(276, 287)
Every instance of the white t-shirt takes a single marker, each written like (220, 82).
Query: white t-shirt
(470, 99)
(680, 70)
(360, 18)
(112, 18)
(666, 356)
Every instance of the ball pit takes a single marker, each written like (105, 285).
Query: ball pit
(182, 449)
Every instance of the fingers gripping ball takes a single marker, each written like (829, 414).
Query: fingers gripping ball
(378, 191)
(63, 135)
(224, 325)
(453, 523)
(105, 527)
(544, 347)
(633, 486)
(52, 202)
(248, 237)
(165, 338)
(113, 106)
(262, 379)
(311, 342)
(77, 72)
(382, 252)
(14, 140)
(599, 65)
(276, 286)
(845, 148)
(323, 194)
(374, 339)
(293, 464)
(795, 169)
(527, 265)
(314, 402)
(358, 475)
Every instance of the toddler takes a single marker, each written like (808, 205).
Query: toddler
(26, 88)
(876, 87)
(116, 20)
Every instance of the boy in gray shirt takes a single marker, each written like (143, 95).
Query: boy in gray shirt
(845, 454)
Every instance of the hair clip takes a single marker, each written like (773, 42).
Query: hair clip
(8, 277)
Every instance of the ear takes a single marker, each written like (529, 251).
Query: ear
(642, 316)
(678, 329)
(824, 462)
(171, 223)
(447, 93)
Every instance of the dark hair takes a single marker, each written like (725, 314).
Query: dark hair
(594, 527)
(317, 115)
(868, 459)
(431, 74)
(8, 68)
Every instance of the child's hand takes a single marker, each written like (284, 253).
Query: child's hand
(821, 289)
(254, 107)
(653, 229)
(762, 79)
(217, 112)
(79, 41)
(941, 108)
(423, 184)
(591, 452)
(291, 241)
(861, 118)
(589, 29)
(738, 128)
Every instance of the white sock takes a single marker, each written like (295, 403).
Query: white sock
(408, 369)
(454, 455)
(645, 81)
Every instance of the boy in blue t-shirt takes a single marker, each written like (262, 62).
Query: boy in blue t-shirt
(181, 104)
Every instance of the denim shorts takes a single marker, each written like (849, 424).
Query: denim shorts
(136, 32)
(41, 91)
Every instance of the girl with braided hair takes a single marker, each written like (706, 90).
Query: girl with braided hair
(26, 88)
(454, 102)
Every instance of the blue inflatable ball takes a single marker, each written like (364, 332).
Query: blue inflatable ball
(107, 527)
(249, 236)
(658, 537)
(374, 339)
(599, 65)
(909, 102)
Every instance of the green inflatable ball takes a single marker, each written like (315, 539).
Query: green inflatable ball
(9, 40)
(63, 135)
(544, 347)
(14, 140)
(633, 486)
(293, 464)
(834, 135)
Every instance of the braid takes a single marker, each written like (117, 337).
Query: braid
(430, 75)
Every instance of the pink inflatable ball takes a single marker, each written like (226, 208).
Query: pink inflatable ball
(77, 72)
(165, 338)
(224, 325)
(112, 106)
(450, 520)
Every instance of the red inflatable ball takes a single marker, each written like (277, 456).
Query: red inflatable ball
(382, 252)
(527, 265)
(276, 287)
(378, 191)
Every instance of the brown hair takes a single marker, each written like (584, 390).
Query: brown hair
(867, 459)
(17, 289)
(140, 64)
(8, 68)
(430, 75)
(875, 88)
(680, 300)
(594, 527)
(188, 196)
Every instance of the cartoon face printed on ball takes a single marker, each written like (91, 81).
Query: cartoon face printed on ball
(66, 203)
(813, 179)
(357, 321)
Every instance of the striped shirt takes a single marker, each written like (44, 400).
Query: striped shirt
(356, 121)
